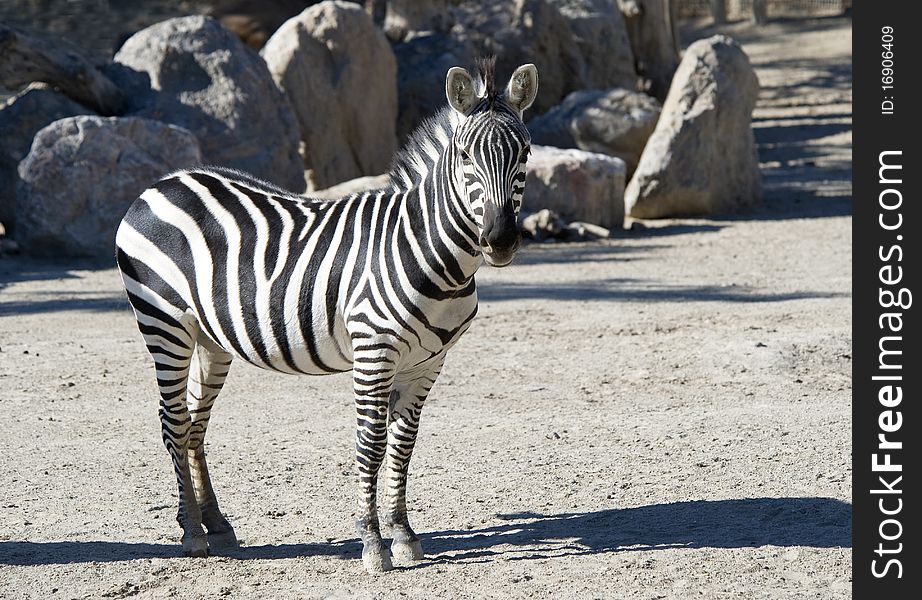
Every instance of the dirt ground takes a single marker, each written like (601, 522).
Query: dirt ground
(663, 415)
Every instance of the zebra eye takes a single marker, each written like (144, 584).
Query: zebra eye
(466, 159)
(525, 152)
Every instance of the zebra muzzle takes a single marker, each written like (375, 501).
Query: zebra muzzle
(501, 237)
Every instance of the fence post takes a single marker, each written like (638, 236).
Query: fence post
(719, 11)
(760, 11)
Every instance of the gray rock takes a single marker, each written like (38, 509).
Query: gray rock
(587, 231)
(578, 185)
(192, 72)
(602, 39)
(25, 59)
(575, 44)
(22, 117)
(542, 225)
(548, 225)
(83, 173)
(340, 74)
(702, 156)
(617, 122)
(519, 32)
(422, 63)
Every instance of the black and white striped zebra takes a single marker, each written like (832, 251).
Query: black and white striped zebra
(220, 266)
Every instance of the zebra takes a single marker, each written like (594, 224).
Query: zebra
(219, 265)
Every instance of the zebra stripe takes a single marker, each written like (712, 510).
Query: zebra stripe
(219, 266)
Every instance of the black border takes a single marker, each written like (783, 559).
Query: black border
(875, 132)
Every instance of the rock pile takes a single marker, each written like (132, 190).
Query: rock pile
(546, 225)
(326, 101)
(576, 44)
(616, 122)
(65, 184)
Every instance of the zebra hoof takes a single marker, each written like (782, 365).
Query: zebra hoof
(407, 551)
(195, 546)
(222, 542)
(377, 559)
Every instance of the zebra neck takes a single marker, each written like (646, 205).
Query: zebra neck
(439, 226)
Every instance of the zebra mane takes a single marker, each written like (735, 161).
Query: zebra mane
(486, 69)
(423, 147)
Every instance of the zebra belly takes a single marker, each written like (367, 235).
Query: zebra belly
(297, 343)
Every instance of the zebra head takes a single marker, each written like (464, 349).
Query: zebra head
(489, 150)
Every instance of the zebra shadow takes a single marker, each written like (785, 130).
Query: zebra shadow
(623, 289)
(737, 523)
(26, 553)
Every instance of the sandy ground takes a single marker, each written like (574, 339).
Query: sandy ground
(663, 415)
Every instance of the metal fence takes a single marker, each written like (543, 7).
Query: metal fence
(742, 9)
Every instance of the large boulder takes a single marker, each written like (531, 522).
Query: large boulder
(702, 156)
(25, 59)
(578, 185)
(340, 74)
(422, 63)
(601, 37)
(83, 173)
(616, 122)
(192, 72)
(20, 119)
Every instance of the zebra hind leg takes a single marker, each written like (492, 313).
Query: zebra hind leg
(210, 366)
(171, 343)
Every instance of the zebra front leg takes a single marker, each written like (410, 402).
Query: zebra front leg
(403, 425)
(372, 389)
(210, 366)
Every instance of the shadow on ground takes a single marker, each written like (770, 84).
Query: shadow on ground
(60, 553)
(745, 31)
(89, 302)
(22, 269)
(637, 290)
(742, 523)
(738, 523)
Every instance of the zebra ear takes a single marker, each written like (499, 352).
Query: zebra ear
(522, 88)
(459, 88)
